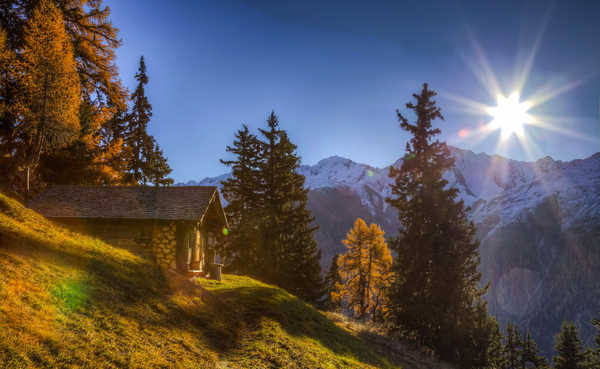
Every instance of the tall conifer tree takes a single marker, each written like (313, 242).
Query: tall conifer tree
(530, 356)
(272, 236)
(516, 352)
(157, 168)
(436, 293)
(8, 78)
(596, 323)
(146, 161)
(513, 346)
(569, 348)
(594, 352)
(332, 279)
(244, 205)
(113, 135)
(51, 89)
(287, 232)
(94, 38)
(495, 358)
(138, 141)
(8, 141)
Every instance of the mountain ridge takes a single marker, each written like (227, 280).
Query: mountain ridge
(538, 223)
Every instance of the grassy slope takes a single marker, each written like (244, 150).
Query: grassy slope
(68, 300)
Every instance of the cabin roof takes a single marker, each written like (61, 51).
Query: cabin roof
(189, 203)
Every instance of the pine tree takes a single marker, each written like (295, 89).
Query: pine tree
(272, 236)
(332, 279)
(113, 139)
(594, 352)
(364, 270)
(569, 348)
(157, 168)
(436, 291)
(495, 353)
(244, 207)
(518, 352)
(530, 355)
(273, 197)
(477, 342)
(146, 162)
(596, 323)
(51, 90)
(513, 347)
(301, 259)
(288, 247)
(138, 140)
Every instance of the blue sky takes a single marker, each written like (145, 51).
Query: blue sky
(336, 72)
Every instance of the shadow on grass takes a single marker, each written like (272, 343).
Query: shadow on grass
(219, 318)
(115, 282)
(132, 280)
(242, 309)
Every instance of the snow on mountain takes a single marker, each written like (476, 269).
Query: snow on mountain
(490, 184)
(574, 184)
(538, 223)
(207, 181)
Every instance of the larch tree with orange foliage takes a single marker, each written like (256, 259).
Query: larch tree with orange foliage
(364, 270)
(7, 72)
(50, 85)
(96, 154)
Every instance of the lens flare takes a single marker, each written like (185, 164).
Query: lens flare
(510, 115)
(225, 231)
(464, 133)
(71, 294)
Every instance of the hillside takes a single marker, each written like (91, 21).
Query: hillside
(538, 223)
(68, 300)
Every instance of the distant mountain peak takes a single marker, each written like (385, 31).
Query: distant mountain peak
(333, 159)
(527, 215)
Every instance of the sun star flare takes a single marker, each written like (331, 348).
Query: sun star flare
(510, 115)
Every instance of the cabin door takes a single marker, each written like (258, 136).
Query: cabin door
(182, 251)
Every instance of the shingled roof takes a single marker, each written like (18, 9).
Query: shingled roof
(125, 202)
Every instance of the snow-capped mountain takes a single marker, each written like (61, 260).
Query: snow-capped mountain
(538, 223)
(491, 185)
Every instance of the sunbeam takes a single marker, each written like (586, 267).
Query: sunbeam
(522, 74)
(510, 115)
(545, 123)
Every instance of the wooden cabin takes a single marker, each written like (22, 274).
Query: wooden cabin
(178, 225)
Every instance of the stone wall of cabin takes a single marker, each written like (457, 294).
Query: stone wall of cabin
(164, 244)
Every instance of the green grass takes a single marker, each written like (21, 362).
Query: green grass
(69, 300)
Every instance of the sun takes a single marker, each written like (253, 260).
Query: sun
(510, 115)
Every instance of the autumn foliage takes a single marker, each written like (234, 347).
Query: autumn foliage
(364, 270)
(64, 114)
(49, 103)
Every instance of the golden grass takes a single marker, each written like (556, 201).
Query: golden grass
(70, 300)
